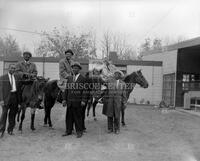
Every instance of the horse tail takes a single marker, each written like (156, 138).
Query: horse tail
(18, 114)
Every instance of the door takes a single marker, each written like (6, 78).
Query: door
(169, 88)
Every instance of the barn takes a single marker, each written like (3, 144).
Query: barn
(152, 71)
(181, 70)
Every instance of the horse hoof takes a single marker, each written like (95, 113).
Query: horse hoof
(123, 124)
(45, 125)
(2, 134)
(20, 129)
(32, 128)
(95, 119)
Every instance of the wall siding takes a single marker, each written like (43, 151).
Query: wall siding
(1, 67)
(168, 58)
(154, 92)
(51, 71)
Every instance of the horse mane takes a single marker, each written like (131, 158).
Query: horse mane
(35, 86)
(128, 78)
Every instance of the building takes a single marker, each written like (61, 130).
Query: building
(181, 64)
(152, 71)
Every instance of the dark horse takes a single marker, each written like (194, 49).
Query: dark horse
(32, 95)
(52, 93)
(131, 80)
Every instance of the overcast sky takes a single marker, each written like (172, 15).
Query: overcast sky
(138, 19)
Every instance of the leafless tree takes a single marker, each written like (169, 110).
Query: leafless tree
(118, 42)
(56, 42)
(9, 47)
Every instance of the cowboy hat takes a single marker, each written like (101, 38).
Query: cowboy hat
(76, 64)
(69, 51)
(120, 72)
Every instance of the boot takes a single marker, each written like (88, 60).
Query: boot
(32, 122)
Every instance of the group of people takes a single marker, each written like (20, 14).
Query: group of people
(11, 87)
(75, 95)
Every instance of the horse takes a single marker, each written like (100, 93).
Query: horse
(131, 80)
(32, 96)
(52, 93)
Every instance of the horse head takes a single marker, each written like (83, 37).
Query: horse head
(135, 78)
(140, 79)
(38, 87)
(40, 84)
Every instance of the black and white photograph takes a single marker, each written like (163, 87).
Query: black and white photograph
(99, 80)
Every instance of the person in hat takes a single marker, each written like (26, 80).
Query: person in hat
(25, 68)
(115, 98)
(28, 71)
(75, 99)
(65, 69)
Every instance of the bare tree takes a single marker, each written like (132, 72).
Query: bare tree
(56, 42)
(118, 42)
(106, 43)
(9, 47)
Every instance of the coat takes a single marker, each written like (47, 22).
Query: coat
(5, 88)
(65, 69)
(97, 82)
(114, 99)
(75, 92)
(29, 69)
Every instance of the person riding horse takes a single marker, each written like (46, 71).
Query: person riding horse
(28, 71)
(26, 68)
(65, 70)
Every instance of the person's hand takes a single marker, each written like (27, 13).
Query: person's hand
(82, 103)
(64, 103)
(19, 106)
(1, 103)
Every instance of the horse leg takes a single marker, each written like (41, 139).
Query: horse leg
(45, 117)
(88, 107)
(94, 106)
(3, 120)
(32, 118)
(22, 118)
(49, 117)
(123, 113)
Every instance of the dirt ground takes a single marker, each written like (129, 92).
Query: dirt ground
(150, 135)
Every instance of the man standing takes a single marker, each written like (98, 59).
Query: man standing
(114, 100)
(26, 68)
(10, 91)
(75, 100)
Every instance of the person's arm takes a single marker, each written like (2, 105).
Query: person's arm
(85, 93)
(62, 71)
(64, 96)
(1, 90)
(124, 97)
(18, 69)
(34, 72)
